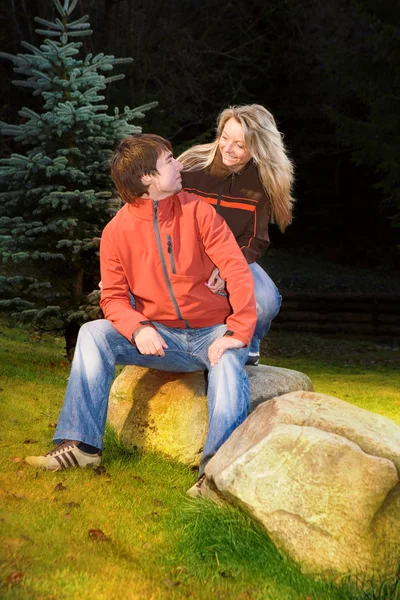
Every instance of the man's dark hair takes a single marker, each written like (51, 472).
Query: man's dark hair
(134, 157)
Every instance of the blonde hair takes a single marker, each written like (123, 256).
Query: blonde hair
(265, 145)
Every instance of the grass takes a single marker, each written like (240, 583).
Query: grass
(364, 372)
(150, 541)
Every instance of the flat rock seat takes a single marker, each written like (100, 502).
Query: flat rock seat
(167, 412)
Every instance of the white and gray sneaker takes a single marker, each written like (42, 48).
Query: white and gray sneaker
(64, 456)
(195, 490)
(253, 359)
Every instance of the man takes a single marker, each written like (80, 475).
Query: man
(161, 247)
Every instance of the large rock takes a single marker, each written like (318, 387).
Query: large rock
(161, 412)
(268, 382)
(322, 477)
(167, 412)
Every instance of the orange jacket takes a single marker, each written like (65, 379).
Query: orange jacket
(164, 252)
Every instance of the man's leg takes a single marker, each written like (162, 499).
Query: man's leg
(228, 400)
(228, 393)
(268, 302)
(99, 348)
(84, 411)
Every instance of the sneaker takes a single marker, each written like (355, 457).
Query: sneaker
(195, 490)
(64, 456)
(253, 359)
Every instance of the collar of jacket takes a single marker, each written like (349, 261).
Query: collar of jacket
(218, 169)
(143, 208)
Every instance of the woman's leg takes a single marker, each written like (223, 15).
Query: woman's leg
(268, 302)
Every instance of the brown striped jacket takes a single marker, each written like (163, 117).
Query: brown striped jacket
(239, 198)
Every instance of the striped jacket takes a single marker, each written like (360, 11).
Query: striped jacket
(239, 198)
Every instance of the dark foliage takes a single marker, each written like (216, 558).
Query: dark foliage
(327, 70)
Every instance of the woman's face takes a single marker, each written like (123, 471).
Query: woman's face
(233, 149)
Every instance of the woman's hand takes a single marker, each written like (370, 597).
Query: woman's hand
(215, 283)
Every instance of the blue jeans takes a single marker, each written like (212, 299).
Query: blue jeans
(268, 302)
(100, 347)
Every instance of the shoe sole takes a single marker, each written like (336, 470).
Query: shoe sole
(59, 467)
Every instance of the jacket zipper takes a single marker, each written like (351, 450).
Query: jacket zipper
(232, 181)
(164, 266)
(171, 254)
(231, 176)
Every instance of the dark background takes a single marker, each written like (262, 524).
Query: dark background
(327, 70)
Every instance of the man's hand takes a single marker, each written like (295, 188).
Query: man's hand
(219, 346)
(149, 341)
(215, 283)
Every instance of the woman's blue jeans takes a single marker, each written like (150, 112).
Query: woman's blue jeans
(100, 347)
(268, 302)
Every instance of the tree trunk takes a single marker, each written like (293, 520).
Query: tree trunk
(71, 329)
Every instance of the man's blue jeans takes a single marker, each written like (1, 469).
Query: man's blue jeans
(100, 347)
(268, 302)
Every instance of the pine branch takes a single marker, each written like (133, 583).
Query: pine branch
(83, 19)
(26, 84)
(114, 78)
(11, 57)
(78, 27)
(28, 113)
(46, 32)
(60, 9)
(33, 49)
(46, 23)
(80, 33)
(72, 7)
(122, 61)
(60, 24)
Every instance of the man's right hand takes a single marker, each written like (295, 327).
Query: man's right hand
(149, 341)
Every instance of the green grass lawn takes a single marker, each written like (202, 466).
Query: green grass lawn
(127, 530)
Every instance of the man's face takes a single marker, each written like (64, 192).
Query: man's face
(167, 180)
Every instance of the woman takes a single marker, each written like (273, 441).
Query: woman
(247, 176)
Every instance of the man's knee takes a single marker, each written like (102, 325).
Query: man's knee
(232, 361)
(96, 331)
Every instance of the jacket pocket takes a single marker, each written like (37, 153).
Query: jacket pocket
(171, 254)
(195, 299)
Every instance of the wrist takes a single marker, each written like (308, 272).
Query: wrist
(142, 325)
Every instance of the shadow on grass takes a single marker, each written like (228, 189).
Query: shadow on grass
(116, 451)
(231, 545)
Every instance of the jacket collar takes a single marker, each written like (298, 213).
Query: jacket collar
(144, 208)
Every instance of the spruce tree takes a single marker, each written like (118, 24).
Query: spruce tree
(56, 195)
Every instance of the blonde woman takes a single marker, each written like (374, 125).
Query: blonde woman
(247, 176)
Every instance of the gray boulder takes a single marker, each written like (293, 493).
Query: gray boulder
(322, 477)
(268, 382)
